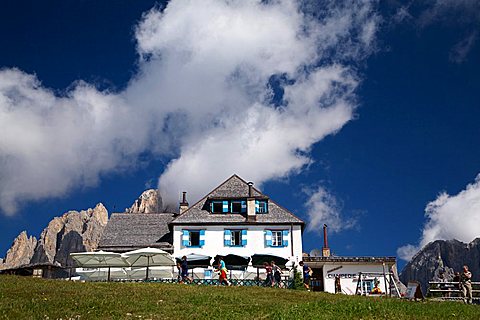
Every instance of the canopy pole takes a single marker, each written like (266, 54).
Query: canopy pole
(148, 264)
(108, 276)
(384, 278)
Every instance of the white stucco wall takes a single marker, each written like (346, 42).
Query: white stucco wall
(349, 276)
(214, 241)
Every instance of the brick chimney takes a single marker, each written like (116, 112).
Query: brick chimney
(325, 249)
(251, 215)
(184, 203)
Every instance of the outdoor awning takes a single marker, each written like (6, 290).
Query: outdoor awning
(259, 259)
(233, 261)
(197, 260)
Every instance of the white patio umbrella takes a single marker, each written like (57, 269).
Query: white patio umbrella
(99, 259)
(156, 272)
(101, 273)
(148, 257)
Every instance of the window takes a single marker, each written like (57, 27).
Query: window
(236, 207)
(193, 238)
(276, 238)
(261, 206)
(225, 206)
(235, 238)
(367, 285)
(217, 206)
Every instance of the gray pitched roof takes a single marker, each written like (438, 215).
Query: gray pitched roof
(234, 188)
(130, 231)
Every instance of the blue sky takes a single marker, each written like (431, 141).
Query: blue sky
(391, 129)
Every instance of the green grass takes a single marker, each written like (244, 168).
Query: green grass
(28, 298)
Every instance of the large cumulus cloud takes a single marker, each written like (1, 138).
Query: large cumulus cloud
(450, 217)
(223, 86)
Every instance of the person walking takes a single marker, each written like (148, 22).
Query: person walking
(269, 280)
(277, 274)
(466, 285)
(307, 272)
(184, 270)
(222, 270)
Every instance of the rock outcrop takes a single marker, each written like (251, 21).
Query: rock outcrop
(73, 232)
(21, 252)
(149, 201)
(440, 259)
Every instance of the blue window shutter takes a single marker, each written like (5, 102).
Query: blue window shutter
(202, 237)
(256, 206)
(211, 206)
(225, 206)
(244, 238)
(268, 238)
(244, 206)
(185, 238)
(285, 238)
(227, 238)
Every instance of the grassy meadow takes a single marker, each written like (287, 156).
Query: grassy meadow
(28, 298)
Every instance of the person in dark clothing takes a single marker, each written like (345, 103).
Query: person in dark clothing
(307, 272)
(268, 269)
(277, 273)
(338, 285)
(184, 270)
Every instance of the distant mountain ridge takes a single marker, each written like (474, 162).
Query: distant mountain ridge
(74, 231)
(442, 256)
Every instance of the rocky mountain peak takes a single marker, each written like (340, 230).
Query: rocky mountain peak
(441, 259)
(149, 201)
(21, 251)
(74, 231)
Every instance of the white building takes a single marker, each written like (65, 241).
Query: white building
(236, 218)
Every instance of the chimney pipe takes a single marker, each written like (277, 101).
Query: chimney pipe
(250, 189)
(325, 249)
(325, 240)
(184, 203)
(251, 214)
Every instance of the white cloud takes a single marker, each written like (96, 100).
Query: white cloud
(50, 144)
(460, 51)
(450, 217)
(251, 137)
(202, 95)
(450, 11)
(323, 208)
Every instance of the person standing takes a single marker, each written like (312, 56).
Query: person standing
(307, 272)
(268, 269)
(184, 268)
(466, 285)
(277, 274)
(338, 285)
(179, 269)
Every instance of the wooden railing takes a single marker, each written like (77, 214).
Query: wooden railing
(451, 290)
(284, 283)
